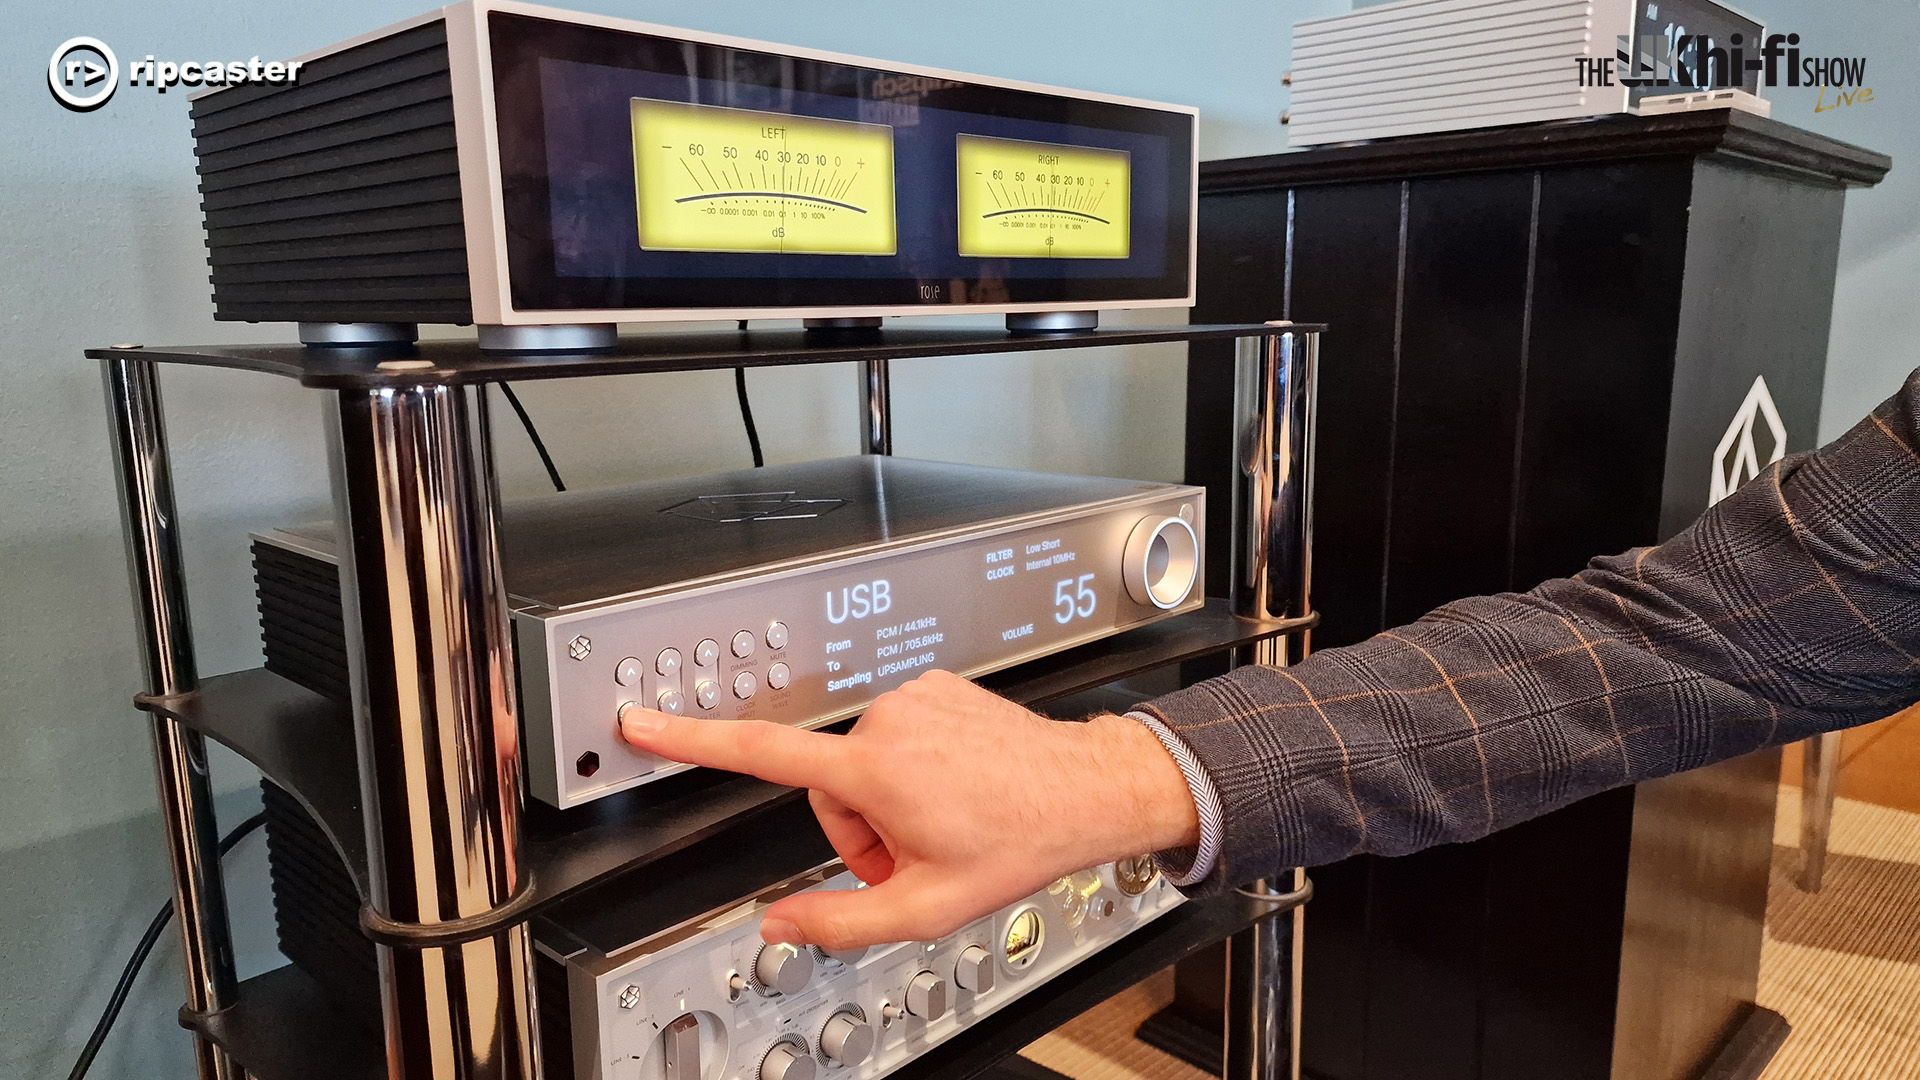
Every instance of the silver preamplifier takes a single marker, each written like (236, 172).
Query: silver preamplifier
(707, 1000)
(793, 593)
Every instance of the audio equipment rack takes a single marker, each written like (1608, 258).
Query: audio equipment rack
(448, 885)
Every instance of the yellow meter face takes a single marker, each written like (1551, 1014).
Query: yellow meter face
(709, 178)
(1029, 200)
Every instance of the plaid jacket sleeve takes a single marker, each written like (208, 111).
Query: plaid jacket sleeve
(1788, 609)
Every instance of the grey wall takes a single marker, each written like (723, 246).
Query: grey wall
(100, 237)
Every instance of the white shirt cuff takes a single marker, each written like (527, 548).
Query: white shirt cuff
(1206, 800)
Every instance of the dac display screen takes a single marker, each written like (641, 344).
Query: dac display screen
(643, 171)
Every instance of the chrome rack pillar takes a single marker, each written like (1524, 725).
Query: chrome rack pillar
(435, 722)
(1819, 783)
(151, 524)
(876, 408)
(1272, 579)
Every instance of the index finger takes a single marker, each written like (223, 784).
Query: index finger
(773, 752)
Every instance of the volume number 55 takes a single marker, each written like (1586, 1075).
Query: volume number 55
(1073, 598)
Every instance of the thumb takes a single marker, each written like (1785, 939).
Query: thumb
(912, 905)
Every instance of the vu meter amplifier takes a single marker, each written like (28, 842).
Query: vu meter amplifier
(794, 593)
(510, 165)
(707, 1000)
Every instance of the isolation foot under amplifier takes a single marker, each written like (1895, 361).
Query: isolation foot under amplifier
(794, 593)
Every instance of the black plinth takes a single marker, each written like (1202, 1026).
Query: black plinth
(1541, 334)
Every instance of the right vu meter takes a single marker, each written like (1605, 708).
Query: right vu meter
(1033, 200)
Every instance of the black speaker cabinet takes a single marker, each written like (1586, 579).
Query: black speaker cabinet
(1545, 340)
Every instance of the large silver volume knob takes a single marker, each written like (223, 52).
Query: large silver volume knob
(782, 969)
(786, 1061)
(847, 1039)
(974, 970)
(927, 996)
(1162, 562)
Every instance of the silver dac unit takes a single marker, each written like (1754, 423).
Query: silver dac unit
(796, 593)
(707, 1000)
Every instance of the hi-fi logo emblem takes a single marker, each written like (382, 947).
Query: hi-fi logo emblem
(73, 66)
(1737, 459)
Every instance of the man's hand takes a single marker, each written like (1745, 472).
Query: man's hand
(949, 801)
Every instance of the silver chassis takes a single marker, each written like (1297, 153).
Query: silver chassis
(435, 714)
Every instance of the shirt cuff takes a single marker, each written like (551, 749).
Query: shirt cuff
(1189, 866)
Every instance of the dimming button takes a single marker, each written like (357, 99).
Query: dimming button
(744, 684)
(777, 636)
(743, 644)
(778, 676)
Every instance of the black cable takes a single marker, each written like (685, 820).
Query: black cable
(746, 415)
(533, 434)
(139, 958)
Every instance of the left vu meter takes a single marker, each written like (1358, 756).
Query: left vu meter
(710, 178)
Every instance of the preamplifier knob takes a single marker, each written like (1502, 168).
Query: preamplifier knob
(847, 1039)
(848, 957)
(787, 1061)
(974, 970)
(680, 1048)
(927, 996)
(782, 969)
(1162, 562)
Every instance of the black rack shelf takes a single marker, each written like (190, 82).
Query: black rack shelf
(284, 1028)
(304, 743)
(281, 1025)
(375, 367)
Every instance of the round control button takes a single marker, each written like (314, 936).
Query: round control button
(778, 676)
(629, 672)
(668, 662)
(743, 644)
(777, 636)
(847, 1039)
(927, 996)
(787, 1061)
(707, 653)
(744, 684)
(782, 969)
(706, 693)
(673, 701)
